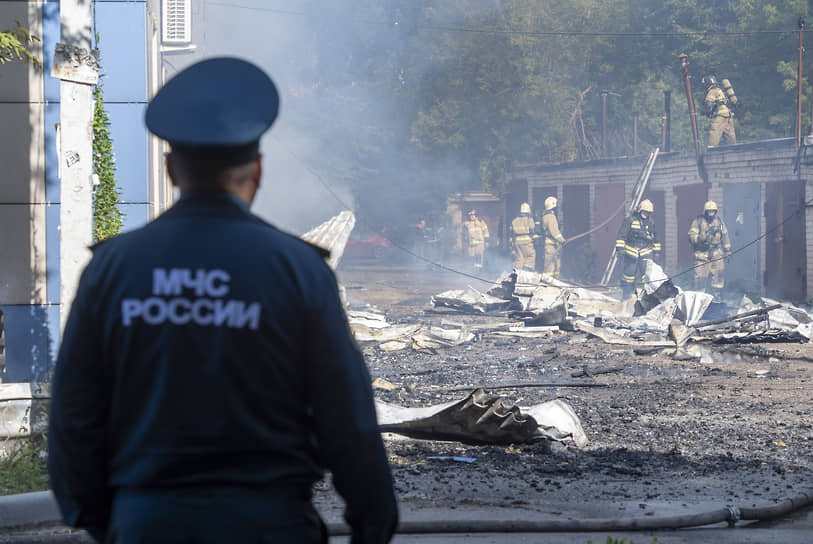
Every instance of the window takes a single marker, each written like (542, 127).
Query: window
(176, 21)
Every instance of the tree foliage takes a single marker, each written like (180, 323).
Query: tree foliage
(433, 96)
(107, 218)
(13, 45)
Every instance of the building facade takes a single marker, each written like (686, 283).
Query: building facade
(128, 37)
(764, 190)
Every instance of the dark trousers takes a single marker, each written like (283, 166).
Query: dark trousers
(633, 271)
(213, 515)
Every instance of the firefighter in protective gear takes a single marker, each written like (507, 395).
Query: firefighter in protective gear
(553, 238)
(721, 112)
(475, 237)
(710, 243)
(637, 241)
(523, 234)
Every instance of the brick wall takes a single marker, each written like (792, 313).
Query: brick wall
(772, 161)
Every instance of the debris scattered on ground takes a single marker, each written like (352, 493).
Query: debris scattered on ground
(649, 425)
(373, 327)
(381, 383)
(452, 458)
(470, 301)
(587, 372)
(481, 418)
(539, 305)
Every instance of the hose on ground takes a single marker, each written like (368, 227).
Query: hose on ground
(729, 514)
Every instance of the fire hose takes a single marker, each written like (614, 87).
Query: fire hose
(599, 226)
(729, 514)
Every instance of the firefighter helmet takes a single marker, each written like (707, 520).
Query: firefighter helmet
(709, 81)
(551, 202)
(472, 212)
(525, 208)
(646, 206)
(710, 205)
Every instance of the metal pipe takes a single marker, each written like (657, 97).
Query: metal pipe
(634, 133)
(667, 115)
(684, 64)
(799, 88)
(604, 123)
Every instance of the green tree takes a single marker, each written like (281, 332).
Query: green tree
(107, 218)
(13, 45)
(434, 97)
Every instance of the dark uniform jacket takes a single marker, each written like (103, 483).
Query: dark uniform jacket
(637, 237)
(210, 349)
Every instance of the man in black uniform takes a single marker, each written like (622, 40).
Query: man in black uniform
(207, 375)
(637, 241)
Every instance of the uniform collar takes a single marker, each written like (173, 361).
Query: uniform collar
(213, 197)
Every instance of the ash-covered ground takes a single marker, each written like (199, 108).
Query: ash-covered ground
(666, 436)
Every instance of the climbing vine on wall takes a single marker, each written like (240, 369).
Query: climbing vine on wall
(107, 218)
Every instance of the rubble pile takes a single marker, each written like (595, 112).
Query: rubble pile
(526, 304)
(681, 325)
(662, 316)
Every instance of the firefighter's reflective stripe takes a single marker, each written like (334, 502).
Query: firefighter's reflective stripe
(551, 241)
(638, 252)
(637, 238)
(522, 238)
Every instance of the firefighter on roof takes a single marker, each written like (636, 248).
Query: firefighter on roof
(523, 234)
(719, 104)
(711, 244)
(636, 241)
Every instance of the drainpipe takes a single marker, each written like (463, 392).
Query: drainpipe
(667, 121)
(799, 88)
(684, 64)
(634, 133)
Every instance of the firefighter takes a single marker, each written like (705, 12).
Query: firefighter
(710, 243)
(523, 234)
(720, 109)
(553, 238)
(637, 241)
(475, 237)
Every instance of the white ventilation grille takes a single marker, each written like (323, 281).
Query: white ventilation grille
(176, 21)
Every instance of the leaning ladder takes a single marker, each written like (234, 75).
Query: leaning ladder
(637, 194)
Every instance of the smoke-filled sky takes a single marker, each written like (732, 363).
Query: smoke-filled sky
(288, 41)
(404, 118)
(291, 197)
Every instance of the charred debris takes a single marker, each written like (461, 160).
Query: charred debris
(682, 325)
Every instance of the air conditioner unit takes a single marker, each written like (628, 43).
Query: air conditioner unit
(176, 21)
